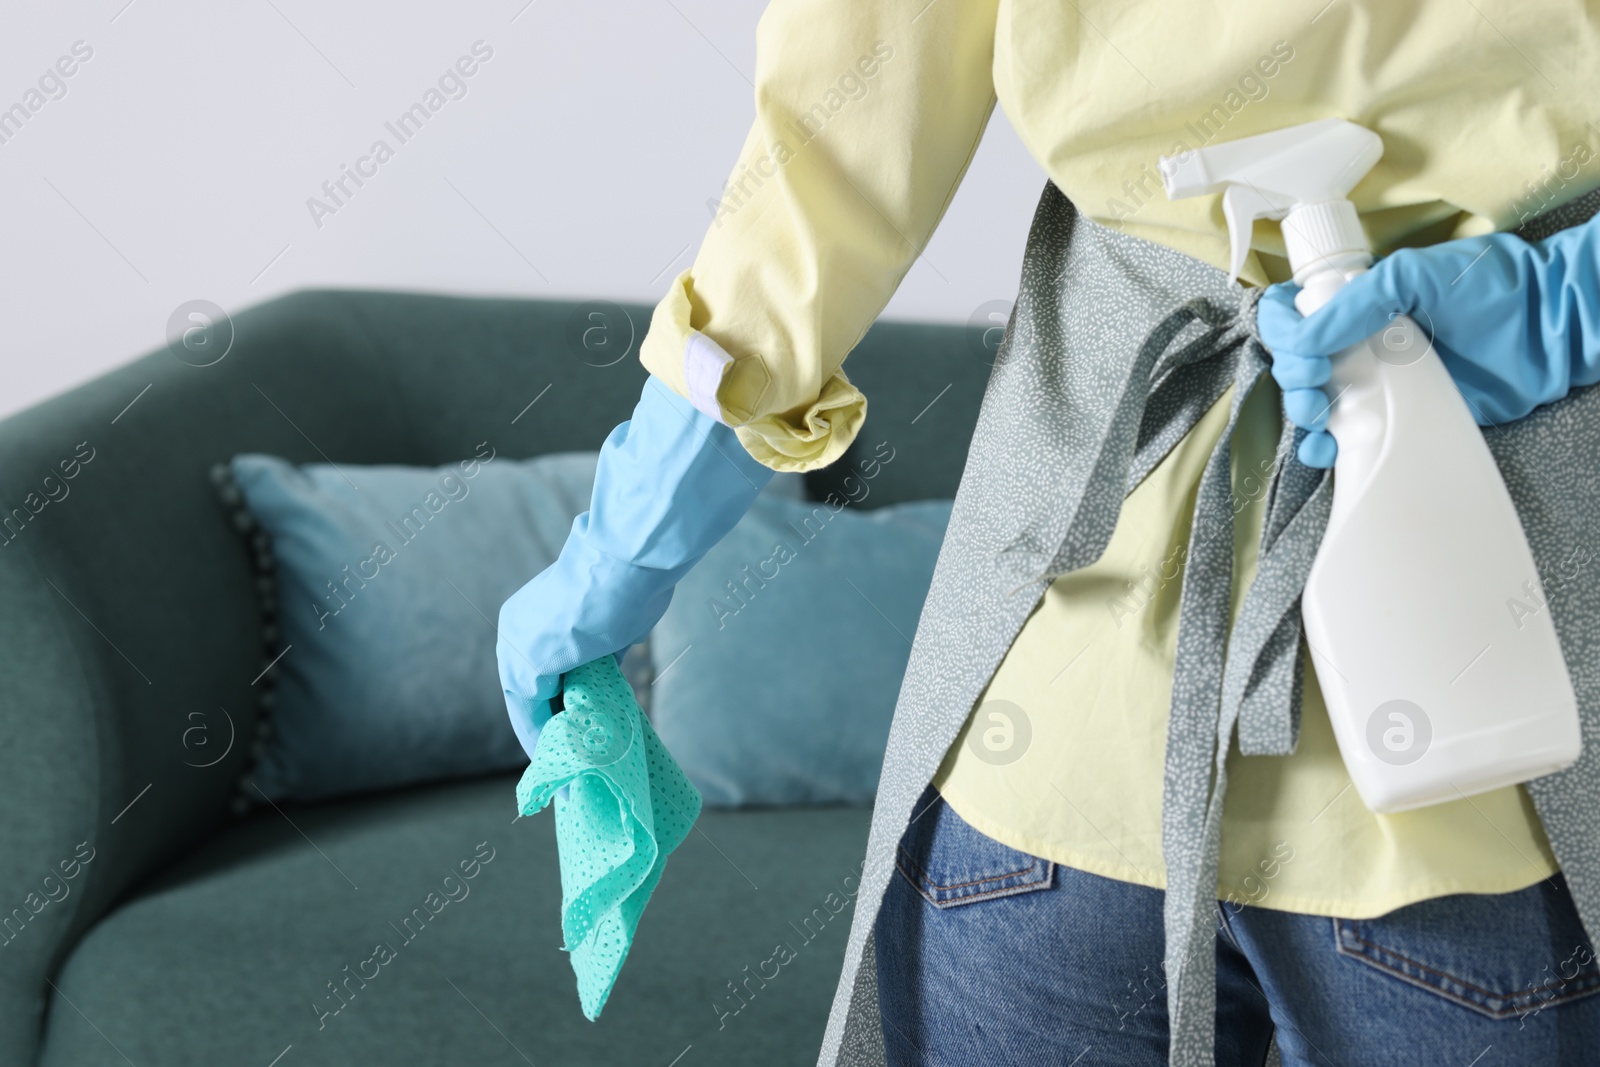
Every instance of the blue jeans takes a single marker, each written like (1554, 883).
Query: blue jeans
(987, 955)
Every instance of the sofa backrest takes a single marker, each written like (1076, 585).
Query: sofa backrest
(130, 632)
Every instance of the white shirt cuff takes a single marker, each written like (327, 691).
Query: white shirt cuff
(704, 362)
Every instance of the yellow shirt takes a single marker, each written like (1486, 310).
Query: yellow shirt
(868, 112)
(867, 115)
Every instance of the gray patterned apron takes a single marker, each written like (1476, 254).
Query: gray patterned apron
(1116, 348)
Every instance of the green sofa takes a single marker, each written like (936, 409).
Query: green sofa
(144, 921)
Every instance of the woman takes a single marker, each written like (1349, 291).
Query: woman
(1086, 895)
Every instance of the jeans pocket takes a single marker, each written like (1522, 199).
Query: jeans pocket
(1503, 955)
(949, 863)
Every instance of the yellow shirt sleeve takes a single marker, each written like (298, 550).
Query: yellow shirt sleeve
(867, 115)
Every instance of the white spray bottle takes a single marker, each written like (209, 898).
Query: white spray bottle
(1424, 609)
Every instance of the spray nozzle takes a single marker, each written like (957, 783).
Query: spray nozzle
(1301, 175)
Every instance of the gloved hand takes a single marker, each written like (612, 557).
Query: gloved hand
(1516, 324)
(670, 484)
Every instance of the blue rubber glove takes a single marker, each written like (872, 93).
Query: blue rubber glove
(1516, 324)
(670, 484)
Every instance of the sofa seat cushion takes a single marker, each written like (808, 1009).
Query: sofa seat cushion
(263, 946)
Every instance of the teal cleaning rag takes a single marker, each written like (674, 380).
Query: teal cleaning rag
(627, 805)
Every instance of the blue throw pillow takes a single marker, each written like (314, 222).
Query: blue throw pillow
(779, 661)
(388, 582)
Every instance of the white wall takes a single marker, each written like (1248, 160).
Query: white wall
(179, 161)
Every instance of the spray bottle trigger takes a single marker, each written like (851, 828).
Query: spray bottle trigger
(1242, 204)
